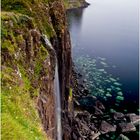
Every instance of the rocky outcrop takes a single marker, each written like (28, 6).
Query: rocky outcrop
(24, 52)
(93, 120)
(62, 45)
(74, 4)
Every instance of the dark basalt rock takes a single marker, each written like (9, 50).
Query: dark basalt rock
(127, 127)
(106, 127)
(118, 116)
(93, 128)
(135, 119)
(98, 111)
(95, 135)
(79, 75)
(100, 105)
(74, 136)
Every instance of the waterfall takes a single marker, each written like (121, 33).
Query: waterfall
(58, 104)
(57, 93)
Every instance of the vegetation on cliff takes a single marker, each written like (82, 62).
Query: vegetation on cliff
(28, 68)
(24, 59)
(21, 68)
(37, 9)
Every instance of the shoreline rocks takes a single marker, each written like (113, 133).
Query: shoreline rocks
(127, 127)
(93, 119)
(106, 127)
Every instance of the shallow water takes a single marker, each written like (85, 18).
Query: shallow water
(105, 49)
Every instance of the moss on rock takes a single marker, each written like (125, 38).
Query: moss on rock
(23, 57)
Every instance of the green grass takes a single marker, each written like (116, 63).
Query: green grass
(70, 92)
(35, 9)
(20, 120)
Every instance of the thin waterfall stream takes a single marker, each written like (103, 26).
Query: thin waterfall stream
(58, 103)
(57, 93)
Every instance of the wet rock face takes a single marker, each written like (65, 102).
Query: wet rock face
(62, 45)
(46, 100)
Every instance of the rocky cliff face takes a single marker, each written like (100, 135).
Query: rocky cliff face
(72, 4)
(27, 58)
(62, 46)
(27, 78)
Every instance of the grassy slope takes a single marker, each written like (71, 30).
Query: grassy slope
(20, 120)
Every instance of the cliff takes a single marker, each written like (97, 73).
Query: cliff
(28, 69)
(73, 4)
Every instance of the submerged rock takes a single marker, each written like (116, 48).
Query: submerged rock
(108, 95)
(120, 98)
(118, 88)
(127, 127)
(117, 84)
(122, 137)
(112, 110)
(120, 93)
(108, 89)
(106, 127)
(93, 97)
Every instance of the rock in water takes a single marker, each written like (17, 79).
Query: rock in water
(118, 116)
(135, 119)
(108, 95)
(122, 137)
(95, 135)
(120, 98)
(93, 97)
(98, 111)
(127, 127)
(106, 127)
(112, 110)
(100, 105)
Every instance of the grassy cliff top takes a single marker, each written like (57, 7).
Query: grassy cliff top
(38, 10)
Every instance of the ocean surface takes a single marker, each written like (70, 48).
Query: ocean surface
(105, 49)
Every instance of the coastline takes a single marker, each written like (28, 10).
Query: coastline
(74, 5)
(93, 119)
